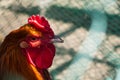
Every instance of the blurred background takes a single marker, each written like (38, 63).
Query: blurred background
(90, 29)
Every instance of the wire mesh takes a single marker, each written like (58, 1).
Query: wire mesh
(71, 19)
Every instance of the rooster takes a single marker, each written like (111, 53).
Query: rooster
(28, 52)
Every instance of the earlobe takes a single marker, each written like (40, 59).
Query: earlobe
(23, 44)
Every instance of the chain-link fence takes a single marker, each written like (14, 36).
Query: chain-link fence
(88, 27)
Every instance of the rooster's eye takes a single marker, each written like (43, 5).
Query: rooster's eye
(34, 39)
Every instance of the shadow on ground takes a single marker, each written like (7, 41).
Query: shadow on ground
(69, 15)
(19, 9)
(79, 17)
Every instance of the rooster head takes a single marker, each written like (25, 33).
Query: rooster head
(38, 45)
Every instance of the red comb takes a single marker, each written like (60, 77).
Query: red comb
(41, 24)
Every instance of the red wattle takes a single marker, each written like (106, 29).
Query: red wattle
(41, 57)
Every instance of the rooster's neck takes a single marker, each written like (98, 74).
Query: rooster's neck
(37, 74)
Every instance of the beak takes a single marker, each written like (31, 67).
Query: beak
(56, 39)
